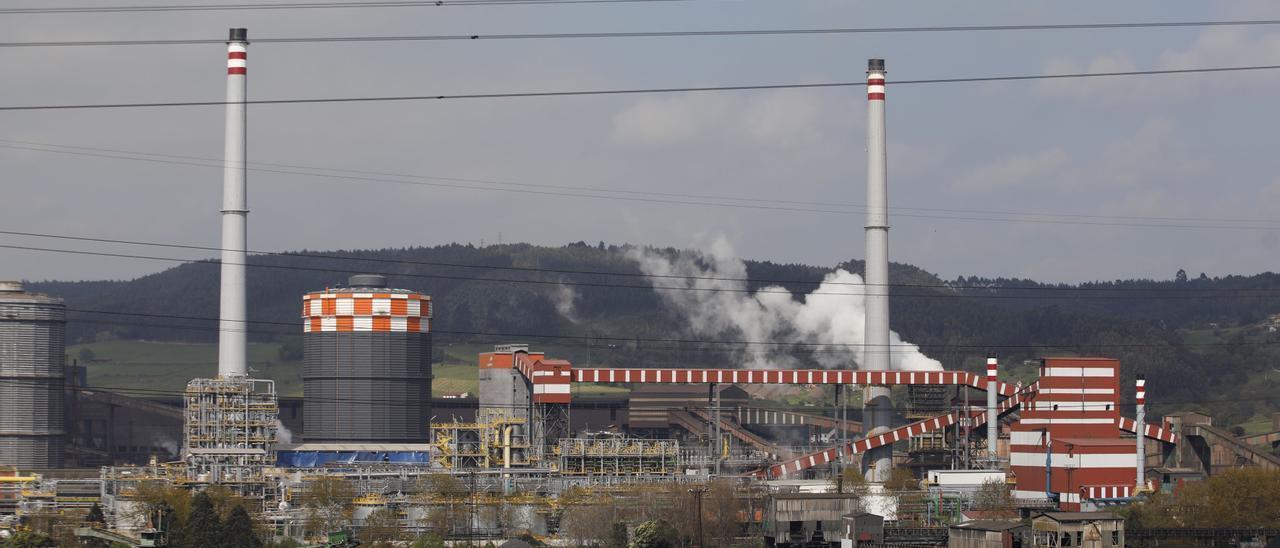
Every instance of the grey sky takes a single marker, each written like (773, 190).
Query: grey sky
(1166, 146)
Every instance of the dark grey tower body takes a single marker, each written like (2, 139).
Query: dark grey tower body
(367, 365)
(33, 331)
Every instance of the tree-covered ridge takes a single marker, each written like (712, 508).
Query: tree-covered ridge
(1195, 327)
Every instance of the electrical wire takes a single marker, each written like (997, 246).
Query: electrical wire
(309, 5)
(539, 270)
(652, 287)
(858, 208)
(323, 173)
(648, 34)
(587, 403)
(631, 91)
(640, 340)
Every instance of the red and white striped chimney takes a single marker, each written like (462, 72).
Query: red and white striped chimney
(235, 213)
(877, 407)
(993, 415)
(1140, 396)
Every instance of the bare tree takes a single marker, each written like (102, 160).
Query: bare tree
(994, 494)
(589, 524)
(328, 501)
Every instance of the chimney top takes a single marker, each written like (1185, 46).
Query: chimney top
(367, 280)
(875, 65)
(239, 35)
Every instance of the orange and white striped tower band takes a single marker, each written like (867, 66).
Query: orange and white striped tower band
(351, 312)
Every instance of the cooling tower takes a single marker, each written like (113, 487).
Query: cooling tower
(33, 330)
(367, 364)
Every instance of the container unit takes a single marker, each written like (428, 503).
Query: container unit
(366, 364)
(33, 330)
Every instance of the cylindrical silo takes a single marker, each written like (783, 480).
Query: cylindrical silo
(366, 364)
(33, 330)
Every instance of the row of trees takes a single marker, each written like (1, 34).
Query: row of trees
(213, 518)
(1239, 498)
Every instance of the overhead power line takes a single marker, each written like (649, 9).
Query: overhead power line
(310, 5)
(635, 34)
(1243, 294)
(632, 91)
(820, 409)
(729, 342)
(218, 163)
(541, 270)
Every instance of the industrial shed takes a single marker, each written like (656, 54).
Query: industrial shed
(1078, 529)
(987, 534)
(795, 519)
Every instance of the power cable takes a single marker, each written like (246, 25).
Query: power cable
(587, 403)
(643, 34)
(635, 339)
(321, 172)
(309, 5)
(600, 92)
(860, 208)
(627, 286)
(540, 270)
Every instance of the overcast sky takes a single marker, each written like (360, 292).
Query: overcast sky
(1114, 152)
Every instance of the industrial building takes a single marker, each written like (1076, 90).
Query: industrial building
(524, 454)
(366, 363)
(33, 329)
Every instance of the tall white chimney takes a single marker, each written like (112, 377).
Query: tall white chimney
(235, 213)
(877, 409)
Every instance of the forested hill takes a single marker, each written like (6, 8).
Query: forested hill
(511, 293)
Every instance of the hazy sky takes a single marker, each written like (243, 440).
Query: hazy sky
(1114, 152)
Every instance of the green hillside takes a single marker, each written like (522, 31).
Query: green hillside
(509, 293)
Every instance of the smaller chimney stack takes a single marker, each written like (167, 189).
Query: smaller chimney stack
(993, 415)
(1140, 396)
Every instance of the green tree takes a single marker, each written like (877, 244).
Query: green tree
(238, 530)
(655, 534)
(95, 515)
(28, 539)
(203, 528)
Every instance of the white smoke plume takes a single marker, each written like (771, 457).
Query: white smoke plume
(832, 316)
(283, 435)
(563, 297)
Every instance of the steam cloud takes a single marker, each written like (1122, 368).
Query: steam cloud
(283, 435)
(563, 297)
(833, 315)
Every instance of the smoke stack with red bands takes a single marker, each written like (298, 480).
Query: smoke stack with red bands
(877, 408)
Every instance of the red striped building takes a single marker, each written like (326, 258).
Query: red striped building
(1071, 428)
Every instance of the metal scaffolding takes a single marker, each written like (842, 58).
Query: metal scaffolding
(229, 432)
(497, 439)
(615, 455)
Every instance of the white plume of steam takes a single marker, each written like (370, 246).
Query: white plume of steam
(563, 298)
(832, 315)
(283, 435)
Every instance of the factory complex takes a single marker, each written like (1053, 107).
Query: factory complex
(527, 456)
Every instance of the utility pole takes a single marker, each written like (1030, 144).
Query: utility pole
(715, 415)
(697, 504)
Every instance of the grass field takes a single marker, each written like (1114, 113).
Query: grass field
(163, 368)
